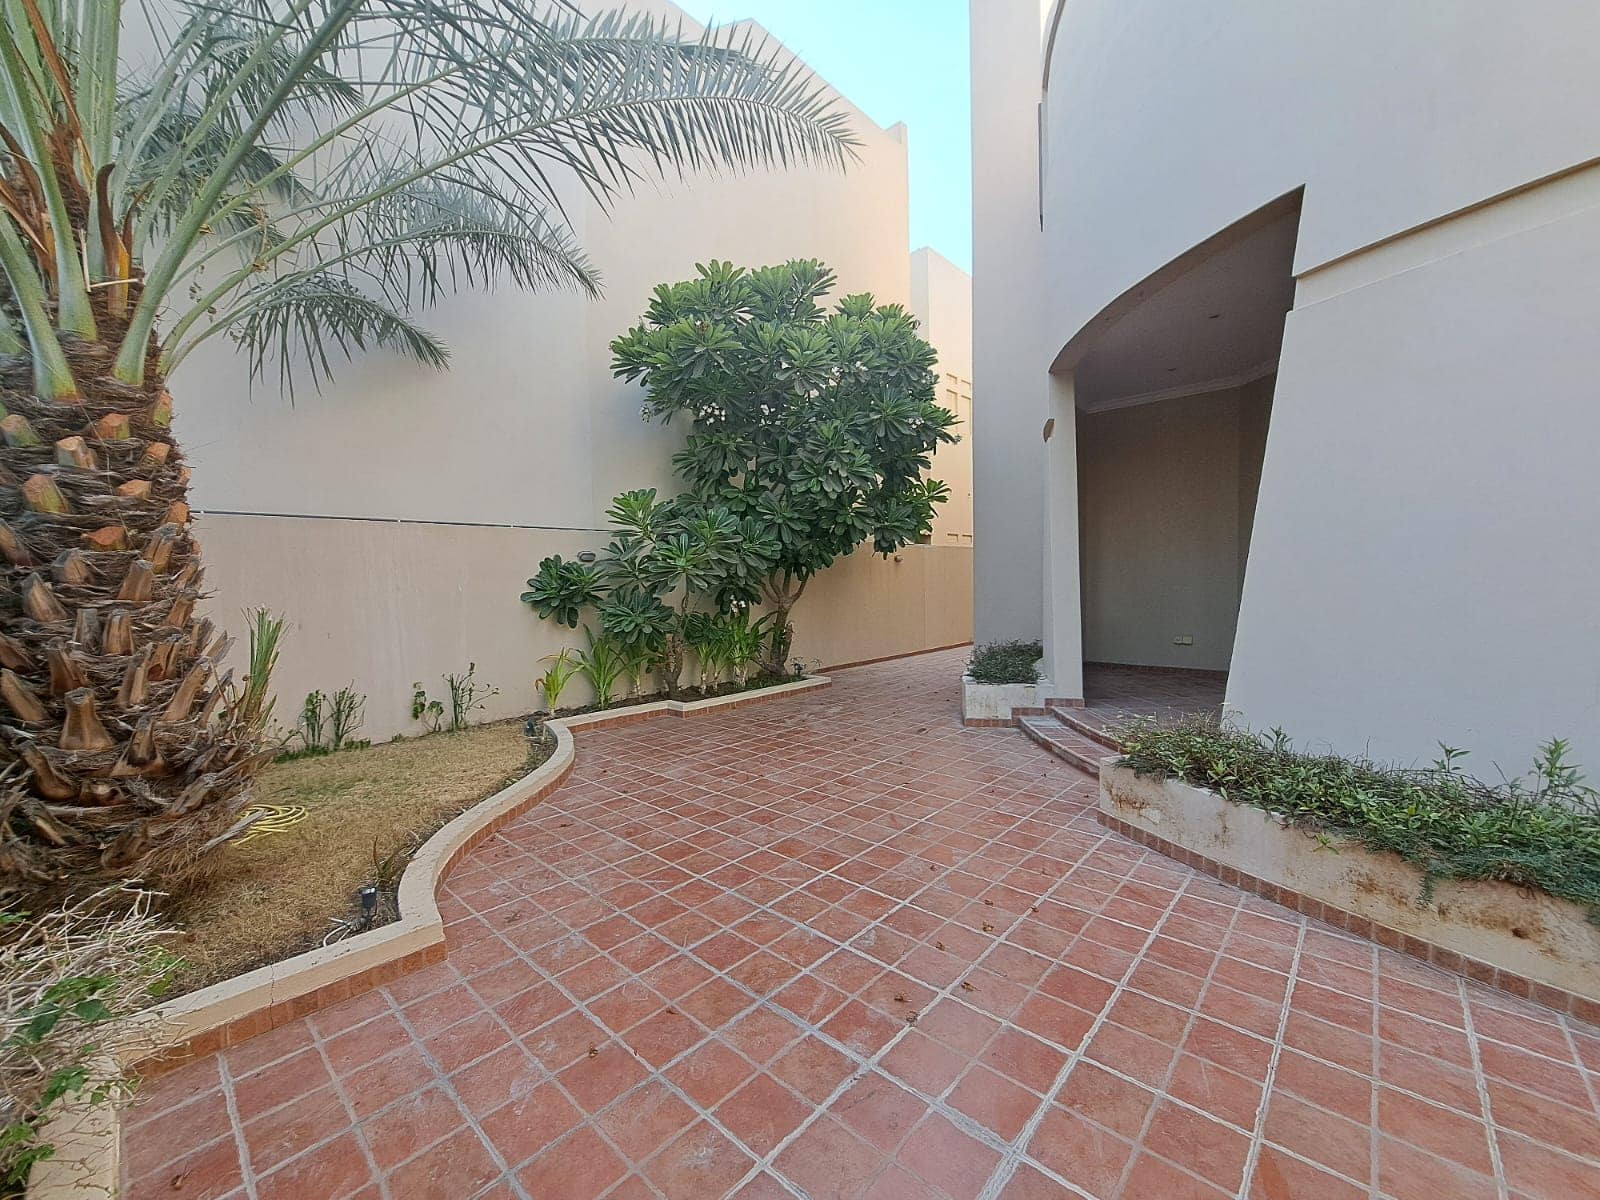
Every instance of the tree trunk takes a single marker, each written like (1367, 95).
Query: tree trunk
(123, 754)
(780, 602)
(672, 666)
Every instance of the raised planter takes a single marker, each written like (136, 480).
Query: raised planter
(985, 705)
(234, 1010)
(1526, 942)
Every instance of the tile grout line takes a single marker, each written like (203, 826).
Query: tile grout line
(1375, 1096)
(1258, 1133)
(1490, 1128)
(1028, 799)
(1101, 837)
(873, 1065)
(507, 1171)
(246, 1173)
(1007, 1168)
(320, 1043)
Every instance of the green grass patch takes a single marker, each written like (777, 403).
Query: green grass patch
(1005, 662)
(1541, 830)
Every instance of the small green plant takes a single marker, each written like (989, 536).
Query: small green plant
(601, 665)
(743, 640)
(1005, 662)
(347, 713)
(555, 678)
(561, 590)
(1541, 830)
(702, 635)
(466, 696)
(637, 662)
(252, 704)
(313, 727)
(329, 723)
(425, 709)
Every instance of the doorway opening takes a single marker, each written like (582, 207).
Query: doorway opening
(1174, 400)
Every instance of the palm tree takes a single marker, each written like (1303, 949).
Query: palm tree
(301, 176)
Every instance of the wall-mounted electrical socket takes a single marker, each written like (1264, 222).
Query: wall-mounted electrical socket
(1184, 639)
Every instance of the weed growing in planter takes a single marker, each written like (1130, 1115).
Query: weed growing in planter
(1538, 831)
(329, 723)
(1005, 662)
(466, 696)
(555, 678)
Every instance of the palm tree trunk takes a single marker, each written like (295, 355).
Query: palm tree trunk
(125, 751)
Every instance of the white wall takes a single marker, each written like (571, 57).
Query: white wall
(385, 604)
(1169, 121)
(1424, 560)
(941, 298)
(1165, 494)
(1010, 398)
(1426, 557)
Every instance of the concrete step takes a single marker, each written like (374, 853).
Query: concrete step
(1081, 721)
(1065, 742)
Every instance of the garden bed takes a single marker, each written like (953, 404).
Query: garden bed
(276, 895)
(1501, 882)
(1001, 683)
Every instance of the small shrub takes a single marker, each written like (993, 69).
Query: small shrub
(1005, 662)
(68, 978)
(1539, 831)
(601, 665)
(347, 713)
(425, 709)
(555, 678)
(329, 723)
(466, 696)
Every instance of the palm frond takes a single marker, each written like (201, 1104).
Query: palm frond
(320, 314)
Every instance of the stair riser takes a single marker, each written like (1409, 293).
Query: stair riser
(1086, 729)
(1079, 759)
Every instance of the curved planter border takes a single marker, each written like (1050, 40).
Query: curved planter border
(258, 1001)
(1529, 944)
(229, 1012)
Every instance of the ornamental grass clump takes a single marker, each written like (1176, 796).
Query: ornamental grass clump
(1005, 662)
(1541, 830)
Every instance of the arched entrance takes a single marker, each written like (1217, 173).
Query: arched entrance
(1172, 389)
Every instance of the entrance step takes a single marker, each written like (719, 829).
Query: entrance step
(1083, 722)
(1065, 741)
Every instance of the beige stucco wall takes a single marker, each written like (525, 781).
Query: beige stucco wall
(1166, 492)
(383, 604)
(394, 517)
(941, 297)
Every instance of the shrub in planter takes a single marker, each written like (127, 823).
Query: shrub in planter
(1005, 662)
(1539, 831)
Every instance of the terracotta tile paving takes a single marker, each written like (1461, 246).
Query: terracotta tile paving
(839, 946)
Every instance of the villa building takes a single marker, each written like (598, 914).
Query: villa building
(1285, 319)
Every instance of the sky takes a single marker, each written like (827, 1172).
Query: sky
(897, 60)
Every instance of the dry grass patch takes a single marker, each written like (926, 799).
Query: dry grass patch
(275, 896)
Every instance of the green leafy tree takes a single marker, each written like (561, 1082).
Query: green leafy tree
(304, 177)
(814, 423)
